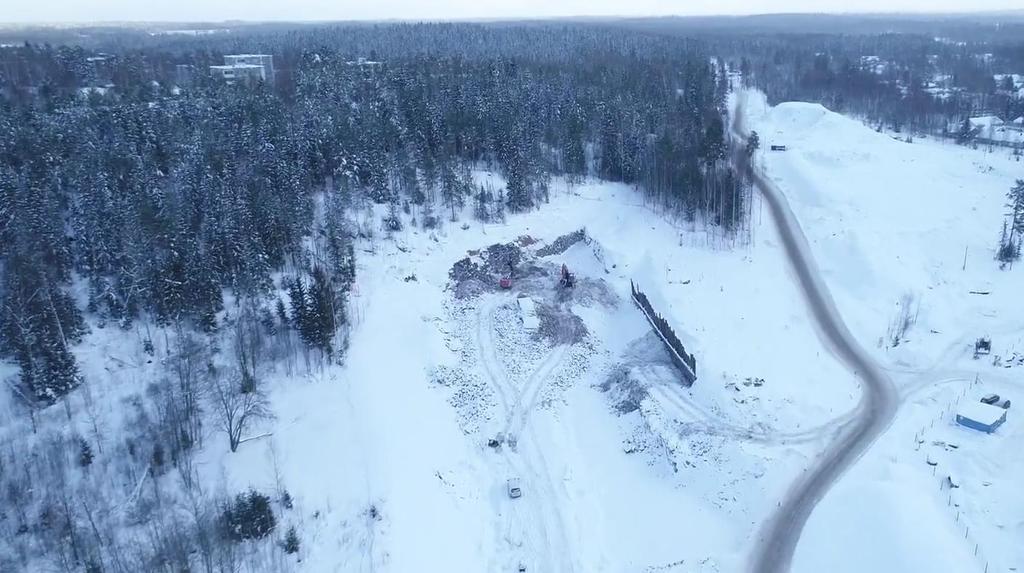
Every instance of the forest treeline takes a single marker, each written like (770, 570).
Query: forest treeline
(159, 196)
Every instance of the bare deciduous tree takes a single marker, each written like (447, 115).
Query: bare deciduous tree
(236, 410)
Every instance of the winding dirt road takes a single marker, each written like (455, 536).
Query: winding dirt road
(879, 399)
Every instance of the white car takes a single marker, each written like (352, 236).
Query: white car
(513, 488)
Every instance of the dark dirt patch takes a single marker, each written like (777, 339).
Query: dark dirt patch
(559, 325)
(625, 391)
(481, 272)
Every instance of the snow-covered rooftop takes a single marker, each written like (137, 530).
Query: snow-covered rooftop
(986, 121)
(237, 67)
(981, 412)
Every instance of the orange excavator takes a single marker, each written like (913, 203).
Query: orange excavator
(506, 281)
(568, 279)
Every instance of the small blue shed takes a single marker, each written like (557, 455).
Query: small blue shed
(979, 416)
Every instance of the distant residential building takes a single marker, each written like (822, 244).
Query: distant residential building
(245, 67)
(1015, 80)
(992, 130)
(873, 64)
(986, 121)
(85, 92)
(101, 69)
(368, 68)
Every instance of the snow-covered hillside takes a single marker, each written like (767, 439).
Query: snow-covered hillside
(907, 233)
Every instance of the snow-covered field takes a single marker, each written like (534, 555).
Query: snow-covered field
(897, 225)
(622, 468)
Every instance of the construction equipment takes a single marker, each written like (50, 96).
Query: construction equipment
(982, 346)
(568, 279)
(506, 281)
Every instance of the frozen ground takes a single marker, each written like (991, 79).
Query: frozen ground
(897, 225)
(622, 469)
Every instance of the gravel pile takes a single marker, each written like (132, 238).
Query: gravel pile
(559, 325)
(474, 275)
(562, 244)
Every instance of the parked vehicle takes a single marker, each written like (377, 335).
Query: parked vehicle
(778, 148)
(514, 491)
(990, 398)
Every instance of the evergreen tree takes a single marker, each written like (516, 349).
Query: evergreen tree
(753, 143)
(326, 312)
(966, 133)
(291, 541)
(248, 517)
(84, 453)
(1015, 203)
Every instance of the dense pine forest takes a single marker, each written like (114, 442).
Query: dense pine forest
(159, 196)
(217, 222)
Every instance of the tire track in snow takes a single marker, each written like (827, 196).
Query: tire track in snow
(530, 460)
(534, 521)
(537, 464)
(531, 391)
(683, 408)
(512, 532)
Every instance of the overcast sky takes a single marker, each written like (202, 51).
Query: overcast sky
(22, 11)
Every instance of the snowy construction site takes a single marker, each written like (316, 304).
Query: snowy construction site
(600, 386)
(546, 427)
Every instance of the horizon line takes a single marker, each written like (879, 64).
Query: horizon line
(497, 19)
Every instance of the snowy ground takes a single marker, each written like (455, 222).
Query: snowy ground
(622, 468)
(678, 483)
(894, 224)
